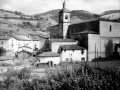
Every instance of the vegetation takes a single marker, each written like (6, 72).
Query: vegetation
(2, 51)
(72, 76)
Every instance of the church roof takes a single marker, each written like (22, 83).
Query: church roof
(62, 40)
(85, 32)
(64, 10)
(71, 47)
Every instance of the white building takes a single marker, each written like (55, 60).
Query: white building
(47, 57)
(16, 42)
(56, 43)
(72, 53)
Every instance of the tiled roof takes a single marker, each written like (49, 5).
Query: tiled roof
(25, 47)
(35, 38)
(25, 51)
(21, 37)
(85, 32)
(62, 40)
(71, 47)
(4, 38)
(48, 54)
(64, 10)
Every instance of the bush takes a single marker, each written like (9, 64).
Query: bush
(66, 77)
(2, 51)
(25, 73)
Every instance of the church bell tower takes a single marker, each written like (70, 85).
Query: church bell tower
(64, 20)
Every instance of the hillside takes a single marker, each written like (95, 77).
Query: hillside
(44, 20)
(76, 15)
(112, 15)
(110, 12)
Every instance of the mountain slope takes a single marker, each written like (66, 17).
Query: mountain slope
(110, 12)
(76, 15)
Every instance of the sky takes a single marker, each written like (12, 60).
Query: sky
(30, 7)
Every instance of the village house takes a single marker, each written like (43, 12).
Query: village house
(20, 42)
(72, 53)
(51, 58)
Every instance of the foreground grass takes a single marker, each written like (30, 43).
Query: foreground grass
(64, 77)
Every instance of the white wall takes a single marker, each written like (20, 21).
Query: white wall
(65, 29)
(93, 46)
(55, 45)
(55, 60)
(75, 55)
(105, 29)
(4, 44)
(7, 44)
(97, 43)
(15, 44)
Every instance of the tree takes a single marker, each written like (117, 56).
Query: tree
(109, 49)
(2, 51)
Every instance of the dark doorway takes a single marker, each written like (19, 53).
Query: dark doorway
(117, 51)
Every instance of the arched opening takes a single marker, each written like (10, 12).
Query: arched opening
(66, 16)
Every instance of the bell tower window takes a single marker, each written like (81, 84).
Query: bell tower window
(66, 16)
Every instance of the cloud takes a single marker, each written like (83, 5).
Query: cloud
(40, 6)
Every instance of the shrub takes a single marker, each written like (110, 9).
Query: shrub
(25, 73)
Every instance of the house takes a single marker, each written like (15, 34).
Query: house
(56, 43)
(24, 54)
(72, 53)
(15, 42)
(48, 57)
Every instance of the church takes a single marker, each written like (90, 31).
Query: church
(96, 38)
(67, 48)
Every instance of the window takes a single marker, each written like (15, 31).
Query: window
(2, 42)
(12, 45)
(66, 16)
(110, 28)
(82, 51)
(82, 59)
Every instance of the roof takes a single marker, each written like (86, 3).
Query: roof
(64, 10)
(4, 38)
(48, 54)
(62, 40)
(25, 47)
(87, 21)
(35, 38)
(25, 51)
(21, 37)
(71, 47)
(85, 32)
